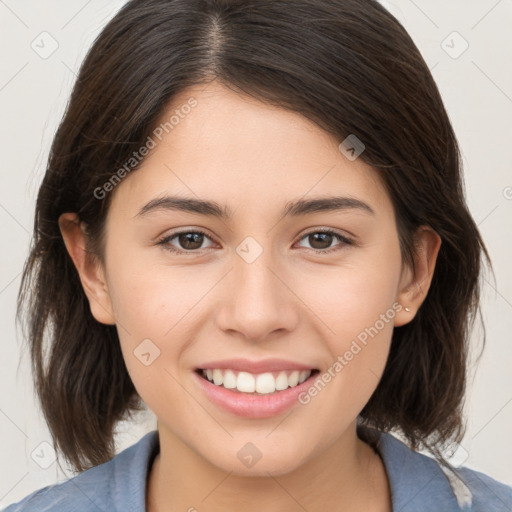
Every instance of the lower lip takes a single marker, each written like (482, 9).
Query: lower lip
(254, 406)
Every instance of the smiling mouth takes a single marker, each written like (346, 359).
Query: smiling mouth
(256, 384)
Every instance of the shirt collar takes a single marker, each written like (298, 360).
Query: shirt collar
(417, 482)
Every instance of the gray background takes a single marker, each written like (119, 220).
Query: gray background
(476, 86)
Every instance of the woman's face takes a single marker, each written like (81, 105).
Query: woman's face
(260, 285)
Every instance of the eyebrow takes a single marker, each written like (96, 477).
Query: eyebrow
(291, 209)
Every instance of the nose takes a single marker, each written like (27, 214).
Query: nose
(258, 300)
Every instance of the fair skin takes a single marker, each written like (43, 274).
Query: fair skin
(290, 303)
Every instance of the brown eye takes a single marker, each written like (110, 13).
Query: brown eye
(190, 241)
(321, 241)
(187, 241)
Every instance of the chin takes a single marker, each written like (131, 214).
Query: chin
(248, 460)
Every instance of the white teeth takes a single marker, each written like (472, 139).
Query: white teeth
(304, 374)
(245, 382)
(229, 379)
(293, 379)
(263, 383)
(217, 377)
(282, 381)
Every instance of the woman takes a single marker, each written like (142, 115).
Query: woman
(253, 221)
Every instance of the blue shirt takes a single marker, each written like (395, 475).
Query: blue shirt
(417, 482)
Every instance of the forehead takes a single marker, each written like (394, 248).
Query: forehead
(213, 143)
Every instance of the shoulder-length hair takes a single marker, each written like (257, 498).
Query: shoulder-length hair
(349, 66)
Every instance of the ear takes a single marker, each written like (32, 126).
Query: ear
(414, 286)
(90, 269)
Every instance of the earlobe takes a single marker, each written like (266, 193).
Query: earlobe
(90, 270)
(414, 286)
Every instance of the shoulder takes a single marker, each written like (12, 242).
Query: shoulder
(119, 484)
(418, 483)
(488, 494)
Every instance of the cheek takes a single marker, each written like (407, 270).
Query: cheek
(156, 310)
(360, 320)
(151, 300)
(356, 305)
(152, 323)
(348, 299)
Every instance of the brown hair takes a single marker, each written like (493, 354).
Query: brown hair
(349, 66)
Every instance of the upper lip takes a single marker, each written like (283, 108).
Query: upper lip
(262, 366)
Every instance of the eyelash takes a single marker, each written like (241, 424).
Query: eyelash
(165, 241)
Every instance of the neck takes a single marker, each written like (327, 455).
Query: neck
(347, 476)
